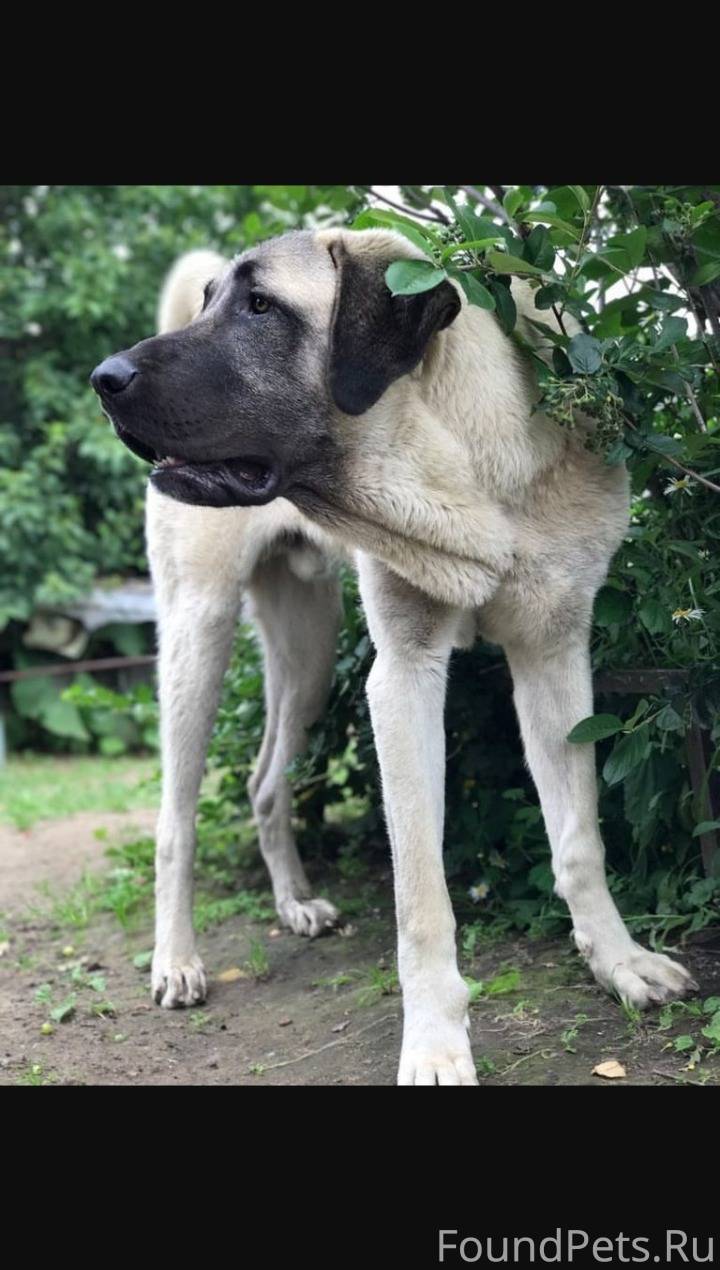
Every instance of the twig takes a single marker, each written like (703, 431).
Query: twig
(692, 398)
(681, 1080)
(438, 217)
(535, 1054)
(496, 208)
(667, 458)
(331, 1044)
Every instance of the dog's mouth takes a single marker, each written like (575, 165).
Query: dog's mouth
(246, 481)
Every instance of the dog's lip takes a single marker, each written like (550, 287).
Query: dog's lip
(254, 469)
(251, 468)
(245, 481)
(128, 438)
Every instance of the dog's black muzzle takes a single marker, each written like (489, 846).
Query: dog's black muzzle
(246, 481)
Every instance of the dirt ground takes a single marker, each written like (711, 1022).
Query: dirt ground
(319, 1013)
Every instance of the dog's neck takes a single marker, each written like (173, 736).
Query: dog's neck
(429, 483)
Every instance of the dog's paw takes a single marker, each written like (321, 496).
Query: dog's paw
(643, 979)
(446, 1060)
(308, 917)
(178, 981)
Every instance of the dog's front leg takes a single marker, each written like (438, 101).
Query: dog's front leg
(198, 603)
(406, 691)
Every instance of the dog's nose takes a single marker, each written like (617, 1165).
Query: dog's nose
(113, 375)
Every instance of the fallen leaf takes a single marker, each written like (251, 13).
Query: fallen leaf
(347, 931)
(4, 947)
(229, 976)
(611, 1070)
(340, 1027)
(284, 1022)
(273, 934)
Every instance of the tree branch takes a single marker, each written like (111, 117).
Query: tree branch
(438, 217)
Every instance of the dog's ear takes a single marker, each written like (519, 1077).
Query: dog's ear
(375, 336)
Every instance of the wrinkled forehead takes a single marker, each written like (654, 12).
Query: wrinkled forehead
(293, 269)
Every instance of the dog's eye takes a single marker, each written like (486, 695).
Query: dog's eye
(259, 303)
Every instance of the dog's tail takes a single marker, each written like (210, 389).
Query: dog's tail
(181, 298)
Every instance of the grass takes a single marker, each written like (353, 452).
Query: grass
(43, 786)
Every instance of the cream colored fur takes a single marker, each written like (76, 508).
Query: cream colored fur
(467, 513)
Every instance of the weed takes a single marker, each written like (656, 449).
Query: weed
(570, 1035)
(258, 963)
(339, 980)
(485, 1066)
(210, 912)
(381, 983)
(35, 1074)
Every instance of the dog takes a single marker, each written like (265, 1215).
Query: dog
(296, 413)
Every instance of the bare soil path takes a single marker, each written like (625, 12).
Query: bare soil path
(283, 1010)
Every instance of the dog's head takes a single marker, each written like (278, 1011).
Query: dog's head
(246, 402)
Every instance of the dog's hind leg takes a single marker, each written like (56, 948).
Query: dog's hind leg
(298, 619)
(553, 692)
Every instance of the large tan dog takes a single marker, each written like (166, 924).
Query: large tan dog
(295, 410)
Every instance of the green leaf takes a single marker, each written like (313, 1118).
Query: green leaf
(512, 201)
(547, 218)
(706, 273)
(655, 617)
(682, 1043)
(503, 263)
(545, 297)
(687, 549)
(673, 329)
(410, 277)
(504, 305)
(595, 728)
(471, 225)
(31, 697)
(668, 720)
(373, 219)
(662, 300)
(712, 1031)
(142, 960)
(585, 354)
(627, 753)
(618, 453)
(705, 826)
(625, 251)
(508, 981)
(475, 291)
(477, 245)
(63, 719)
(538, 249)
(661, 444)
(612, 607)
(65, 1010)
(581, 196)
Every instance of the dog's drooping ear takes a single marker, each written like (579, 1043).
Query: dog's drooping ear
(376, 336)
